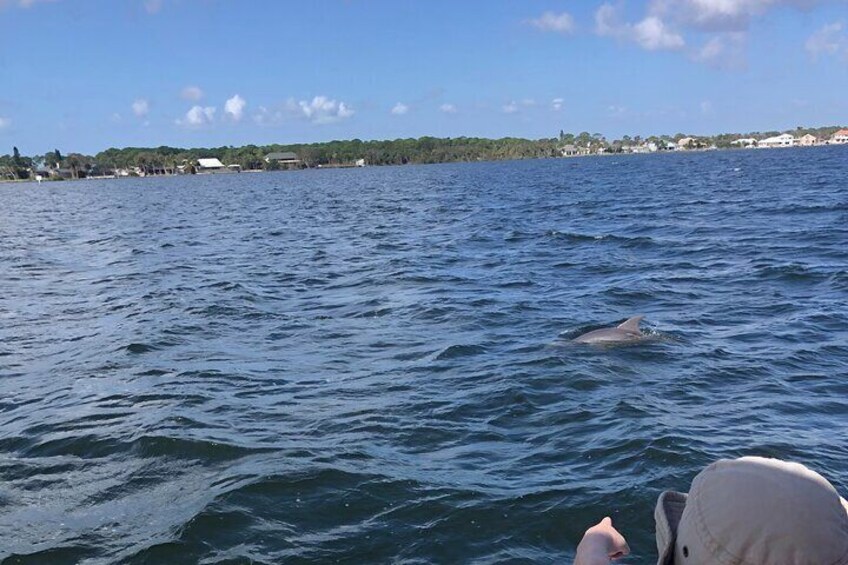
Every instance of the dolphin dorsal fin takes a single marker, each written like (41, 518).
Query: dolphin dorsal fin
(631, 325)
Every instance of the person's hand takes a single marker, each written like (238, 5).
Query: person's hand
(601, 544)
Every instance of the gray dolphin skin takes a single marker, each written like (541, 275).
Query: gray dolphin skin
(628, 332)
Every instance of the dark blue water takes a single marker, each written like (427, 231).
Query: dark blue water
(373, 365)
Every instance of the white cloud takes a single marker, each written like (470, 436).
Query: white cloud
(720, 15)
(5, 122)
(192, 93)
(606, 21)
(234, 107)
(141, 107)
(152, 6)
(706, 107)
(559, 23)
(557, 104)
(321, 110)
(447, 108)
(650, 33)
(198, 116)
(400, 109)
(510, 108)
(831, 39)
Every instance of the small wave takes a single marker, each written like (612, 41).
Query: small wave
(139, 348)
(585, 238)
(574, 236)
(455, 351)
(790, 272)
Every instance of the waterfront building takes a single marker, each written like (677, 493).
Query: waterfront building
(744, 142)
(782, 140)
(284, 158)
(212, 165)
(808, 140)
(569, 151)
(840, 137)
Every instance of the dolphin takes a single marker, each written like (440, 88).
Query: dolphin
(628, 332)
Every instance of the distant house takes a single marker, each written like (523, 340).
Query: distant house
(283, 158)
(840, 137)
(212, 165)
(808, 140)
(569, 151)
(744, 142)
(782, 140)
(686, 142)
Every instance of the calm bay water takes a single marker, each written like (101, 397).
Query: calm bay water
(371, 366)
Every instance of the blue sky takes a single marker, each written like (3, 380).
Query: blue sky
(84, 75)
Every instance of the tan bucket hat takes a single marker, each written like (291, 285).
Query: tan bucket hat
(753, 511)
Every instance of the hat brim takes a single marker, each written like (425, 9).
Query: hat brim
(667, 514)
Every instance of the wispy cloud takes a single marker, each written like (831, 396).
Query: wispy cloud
(234, 107)
(267, 117)
(723, 51)
(192, 93)
(558, 23)
(510, 107)
(650, 33)
(557, 104)
(400, 109)
(23, 3)
(141, 107)
(616, 111)
(725, 22)
(448, 109)
(513, 106)
(720, 15)
(5, 122)
(830, 39)
(153, 6)
(198, 116)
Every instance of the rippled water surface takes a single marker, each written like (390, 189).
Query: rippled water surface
(374, 365)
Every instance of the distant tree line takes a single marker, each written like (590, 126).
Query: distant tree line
(148, 160)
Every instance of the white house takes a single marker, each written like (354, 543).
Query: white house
(745, 142)
(569, 151)
(212, 165)
(840, 137)
(782, 140)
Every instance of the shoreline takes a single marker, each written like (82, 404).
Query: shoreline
(352, 166)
